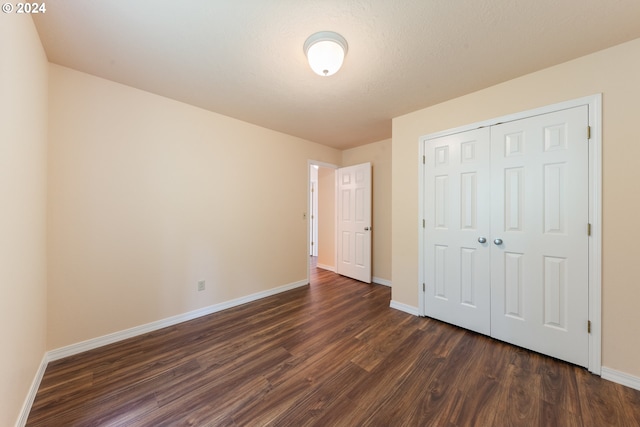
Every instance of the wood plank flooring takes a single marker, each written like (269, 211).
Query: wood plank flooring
(329, 354)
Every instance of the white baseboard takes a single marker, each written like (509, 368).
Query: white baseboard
(376, 280)
(31, 396)
(404, 307)
(326, 267)
(93, 343)
(380, 281)
(620, 378)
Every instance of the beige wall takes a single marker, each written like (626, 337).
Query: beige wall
(23, 149)
(379, 154)
(327, 218)
(613, 72)
(149, 195)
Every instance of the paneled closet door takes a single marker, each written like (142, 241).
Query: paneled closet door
(456, 235)
(539, 241)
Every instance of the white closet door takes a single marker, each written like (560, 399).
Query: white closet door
(539, 273)
(457, 219)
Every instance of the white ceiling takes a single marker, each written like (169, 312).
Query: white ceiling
(244, 58)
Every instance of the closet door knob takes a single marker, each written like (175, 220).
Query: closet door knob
(482, 240)
(498, 242)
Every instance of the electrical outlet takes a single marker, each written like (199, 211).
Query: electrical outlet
(201, 285)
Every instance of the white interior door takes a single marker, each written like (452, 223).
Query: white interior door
(354, 222)
(457, 229)
(524, 187)
(539, 272)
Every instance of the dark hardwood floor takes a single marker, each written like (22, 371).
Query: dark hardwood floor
(329, 354)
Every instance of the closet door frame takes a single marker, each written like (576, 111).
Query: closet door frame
(594, 103)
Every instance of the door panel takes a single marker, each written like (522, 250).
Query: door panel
(354, 222)
(539, 274)
(456, 194)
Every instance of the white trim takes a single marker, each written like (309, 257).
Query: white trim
(404, 307)
(33, 390)
(335, 219)
(587, 100)
(379, 281)
(594, 103)
(595, 241)
(323, 164)
(326, 267)
(93, 343)
(376, 280)
(621, 378)
(422, 211)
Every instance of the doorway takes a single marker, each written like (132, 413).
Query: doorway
(321, 217)
(339, 219)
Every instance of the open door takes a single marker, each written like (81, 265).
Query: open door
(354, 222)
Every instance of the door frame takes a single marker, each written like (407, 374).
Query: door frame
(306, 216)
(313, 215)
(594, 103)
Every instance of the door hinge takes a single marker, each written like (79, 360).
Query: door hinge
(424, 223)
(588, 132)
(589, 229)
(588, 326)
(424, 288)
(424, 160)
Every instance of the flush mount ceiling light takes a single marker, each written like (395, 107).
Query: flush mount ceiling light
(325, 51)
